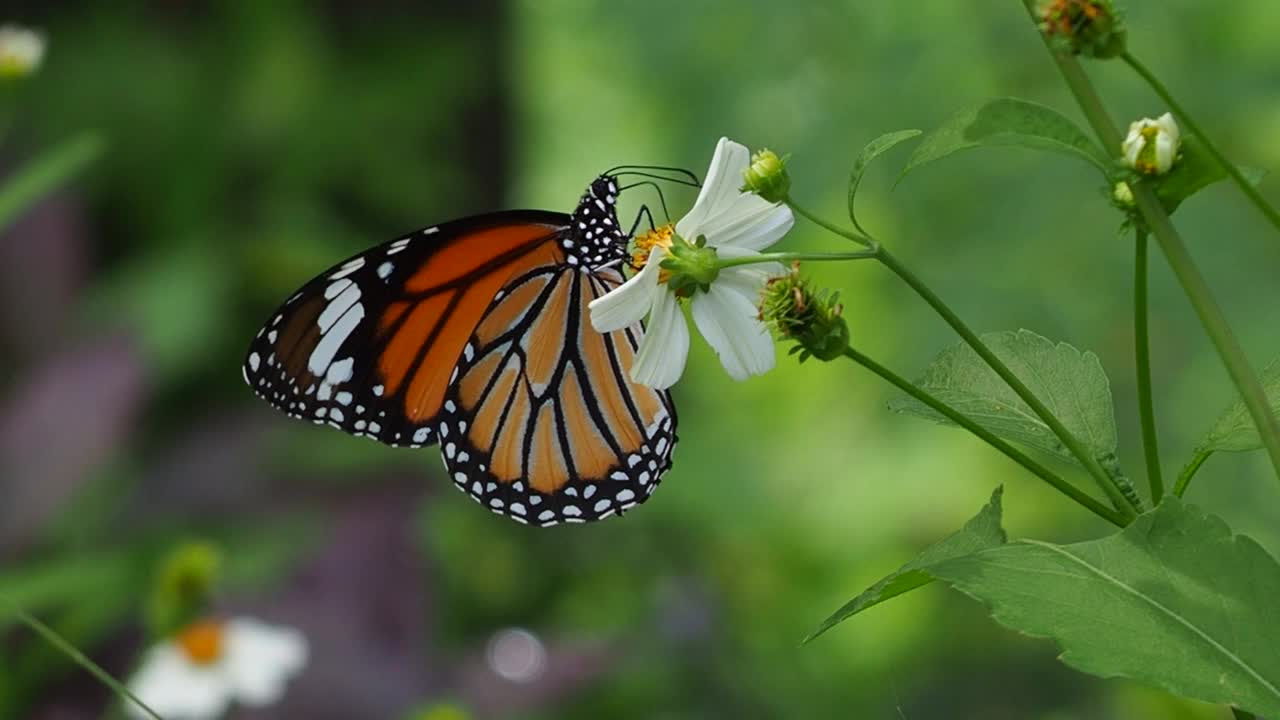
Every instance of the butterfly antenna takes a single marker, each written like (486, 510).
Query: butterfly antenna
(661, 198)
(686, 176)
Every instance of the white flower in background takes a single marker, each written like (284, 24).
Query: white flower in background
(735, 224)
(211, 664)
(1151, 147)
(21, 50)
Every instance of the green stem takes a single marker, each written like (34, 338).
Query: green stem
(831, 228)
(1240, 180)
(991, 439)
(1073, 444)
(1239, 714)
(1188, 472)
(52, 637)
(1184, 268)
(1213, 320)
(790, 256)
(1142, 357)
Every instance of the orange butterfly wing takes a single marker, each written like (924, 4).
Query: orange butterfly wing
(544, 424)
(369, 345)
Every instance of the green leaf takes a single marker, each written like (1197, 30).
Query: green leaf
(1071, 384)
(870, 152)
(1008, 122)
(1196, 170)
(1173, 600)
(1235, 431)
(44, 174)
(983, 531)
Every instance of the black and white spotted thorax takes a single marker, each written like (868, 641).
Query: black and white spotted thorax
(594, 237)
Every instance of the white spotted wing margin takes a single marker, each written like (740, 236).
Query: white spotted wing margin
(316, 357)
(543, 423)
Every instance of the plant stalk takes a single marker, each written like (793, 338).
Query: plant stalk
(1142, 358)
(1184, 268)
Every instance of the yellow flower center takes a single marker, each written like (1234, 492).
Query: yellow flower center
(657, 237)
(202, 641)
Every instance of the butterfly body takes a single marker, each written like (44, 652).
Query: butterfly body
(473, 335)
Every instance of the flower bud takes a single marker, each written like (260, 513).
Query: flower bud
(184, 586)
(1151, 148)
(21, 51)
(767, 176)
(1092, 28)
(789, 305)
(1122, 195)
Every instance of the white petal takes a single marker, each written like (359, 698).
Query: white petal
(728, 216)
(720, 188)
(665, 346)
(1169, 126)
(260, 659)
(626, 304)
(177, 689)
(728, 319)
(749, 222)
(1133, 143)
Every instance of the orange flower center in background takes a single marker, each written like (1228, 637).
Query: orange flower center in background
(202, 641)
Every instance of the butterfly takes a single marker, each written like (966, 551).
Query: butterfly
(474, 335)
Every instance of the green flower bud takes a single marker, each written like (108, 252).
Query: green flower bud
(767, 176)
(791, 308)
(183, 587)
(1093, 28)
(1122, 195)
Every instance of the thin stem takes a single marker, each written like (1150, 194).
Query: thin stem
(1184, 268)
(829, 227)
(1073, 444)
(1229, 167)
(789, 256)
(991, 439)
(1188, 472)
(1142, 357)
(1213, 320)
(52, 637)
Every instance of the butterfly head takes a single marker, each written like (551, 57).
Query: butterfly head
(594, 237)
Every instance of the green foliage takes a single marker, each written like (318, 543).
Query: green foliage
(1195, 170)
(870, 152)
(1072, 384)
(983, 531)
(46, 173)
(1008, 122)
(1174, 600)
(1235, 430)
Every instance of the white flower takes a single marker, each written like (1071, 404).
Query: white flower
(735, 224)
(21, 50)
(1152, 145)
(211, 664)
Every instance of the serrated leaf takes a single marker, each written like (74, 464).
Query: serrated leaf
(1196, 169)
(1008, 122)
(1070, 383)
(1174, 600)
(983, 531)
(870, 152)
(1235, 431)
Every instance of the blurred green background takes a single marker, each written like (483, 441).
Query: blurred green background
(250, 144)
